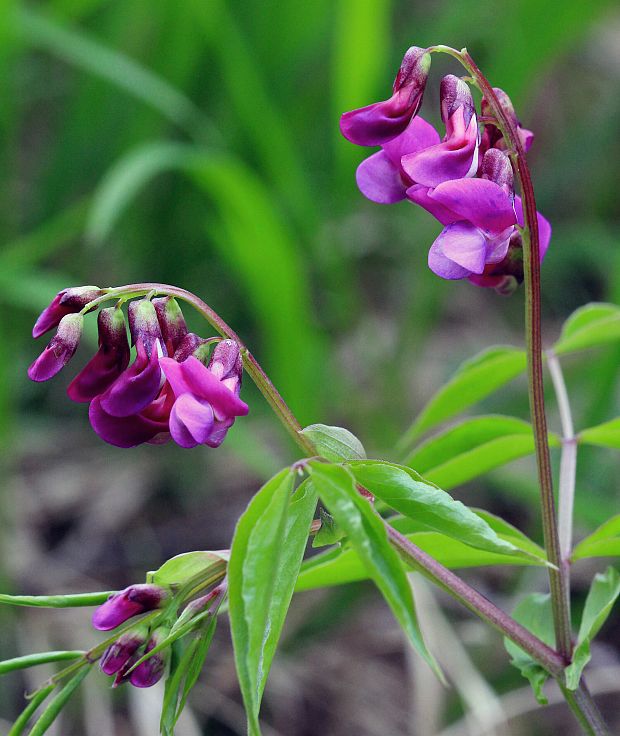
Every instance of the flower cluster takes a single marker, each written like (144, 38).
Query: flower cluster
(464, 179)
(171, 389)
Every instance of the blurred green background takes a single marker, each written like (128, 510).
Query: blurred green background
(196, 143)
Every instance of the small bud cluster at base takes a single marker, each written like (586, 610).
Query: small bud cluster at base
(172, 389)
(464, 180)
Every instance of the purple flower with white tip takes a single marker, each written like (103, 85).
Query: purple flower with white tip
(456, 156)
(127, 603)
(171, 322)
(67, 301)
(207, 397)
(108, 362)
(380, 122)
(60, 350)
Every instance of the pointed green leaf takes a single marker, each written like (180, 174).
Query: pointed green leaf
(603, 542)
(72, 600)
(21, 722)
(474, 380)
(588, 327)
(267, 549)
(405, 491)
(334, 443)
(472, 448)
(31, 660)
(602, 595)
(367, 534)
(533, 612)
(603, 435)
(183, 567)
(55, 705)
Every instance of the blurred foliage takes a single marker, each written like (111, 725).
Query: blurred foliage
(197, 143)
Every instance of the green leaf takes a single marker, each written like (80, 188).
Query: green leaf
(603, 542)
(474, 380)
(472, 448)
(55, 705)
(533, 612)
(21, 722)
(334, 443)
(603, 435)
(267, 549)
(329, 532)
(588, 327)
(405, 491)
(367, 534)
(31, 660)
(602, 595)
(72, 600)
(183, 567)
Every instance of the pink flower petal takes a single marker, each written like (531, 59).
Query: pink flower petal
(191, 421)
(482, 202)
(379, 180)
(459, 251)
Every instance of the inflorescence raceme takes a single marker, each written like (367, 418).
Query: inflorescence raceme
(464, 180)
(179, 385)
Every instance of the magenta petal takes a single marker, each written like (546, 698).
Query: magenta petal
(417, 136)
(50, 316)
(191, 421)
(544, 227)
(379, 180)
(204, 385)
(173, 370)
(123, 431)
(96, 376)
(420, 195)
(48, 364)
(377, 123)
(459, 251)
(482, 202)
(136, 387)
(455, 158)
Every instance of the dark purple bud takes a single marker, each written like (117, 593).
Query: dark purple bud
(110, 360)
(144, 325)
(227, 365)
(127, 603)
(495, 137)
(454, 93)
(152, 669)
(171, 322)
(118, 655)
(67, 301)
(496, 167)
(380, 122)
(60, 350)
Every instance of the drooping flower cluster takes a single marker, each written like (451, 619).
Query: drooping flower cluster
(464, 180)
(171, 389)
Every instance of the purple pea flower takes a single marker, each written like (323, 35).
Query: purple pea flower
(151, 670)
(138, 385)
(380, 122)
(492, 137)
(121, 654)
(456, 156)
(109, 361)
(60, 350)
(207, 397)
(126, 603)
(67, 301)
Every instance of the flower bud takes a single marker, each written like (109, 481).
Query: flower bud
(60, 350)
(67, 301)
(189, 345)
(120, 654)
(151, 670)
(171, 322)
(110, 360)
(494, 136)
(380, 122)
(496, 167)
(454, 93)
(144, 325)
(227, 365)
(126, 603)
